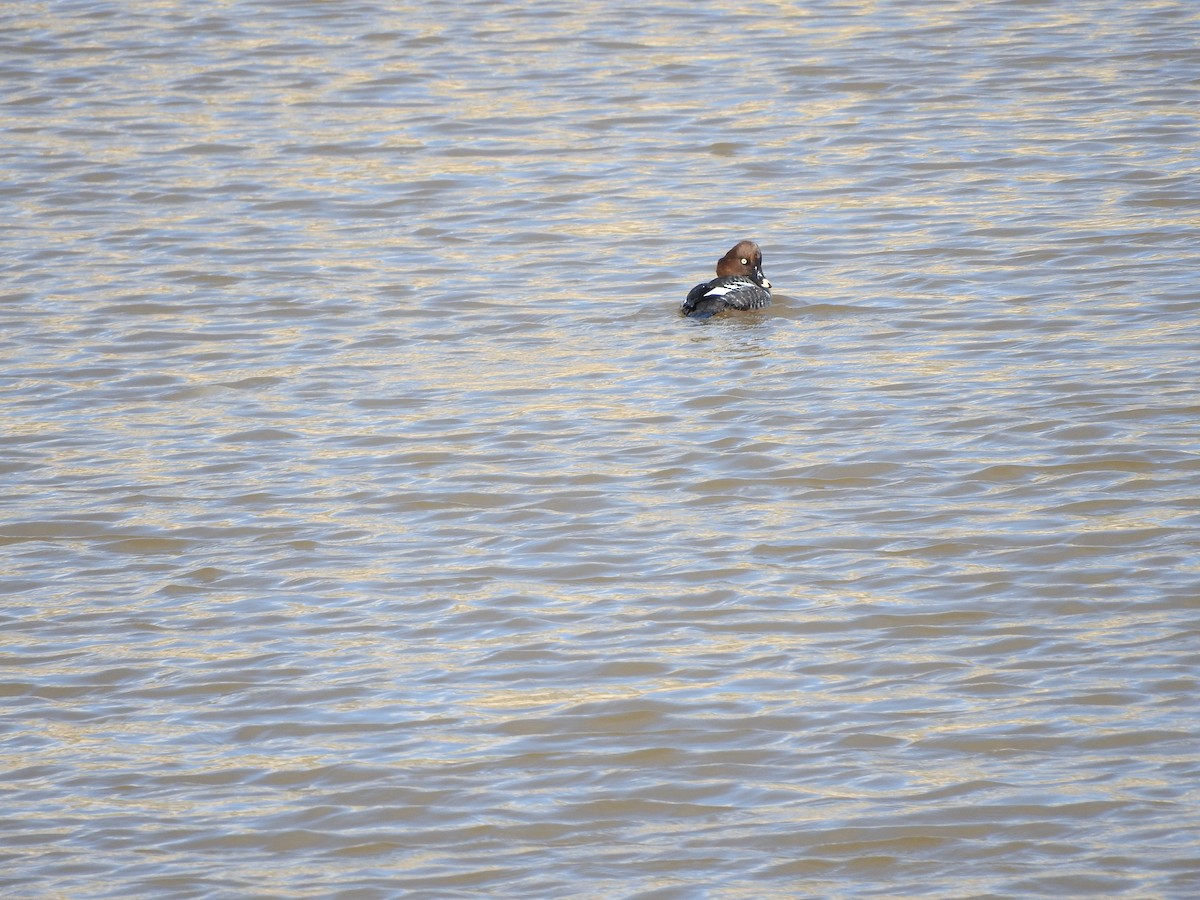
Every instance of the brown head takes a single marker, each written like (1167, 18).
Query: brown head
(744, 259)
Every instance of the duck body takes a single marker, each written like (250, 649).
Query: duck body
(740, 284)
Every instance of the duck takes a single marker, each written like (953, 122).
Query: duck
(739, 284)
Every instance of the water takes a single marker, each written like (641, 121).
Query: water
(371, 525)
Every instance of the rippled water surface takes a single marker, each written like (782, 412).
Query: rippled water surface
(371, 524)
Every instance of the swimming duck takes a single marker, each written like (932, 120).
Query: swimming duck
(739, 284)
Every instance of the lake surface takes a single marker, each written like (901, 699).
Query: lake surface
(371, 524)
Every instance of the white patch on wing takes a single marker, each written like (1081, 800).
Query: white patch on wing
(720, 290)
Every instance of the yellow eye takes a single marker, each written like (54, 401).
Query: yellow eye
(745, 262)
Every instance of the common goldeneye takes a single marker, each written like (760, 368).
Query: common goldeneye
(739, 284)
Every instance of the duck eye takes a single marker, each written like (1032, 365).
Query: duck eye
(745, 262)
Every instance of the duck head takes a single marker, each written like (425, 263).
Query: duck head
(745, 259)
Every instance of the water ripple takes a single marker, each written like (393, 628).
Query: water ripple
(372, 525)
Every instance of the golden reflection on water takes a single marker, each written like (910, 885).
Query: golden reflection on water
(364, 490)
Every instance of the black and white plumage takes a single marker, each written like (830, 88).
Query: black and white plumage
(739, 284)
